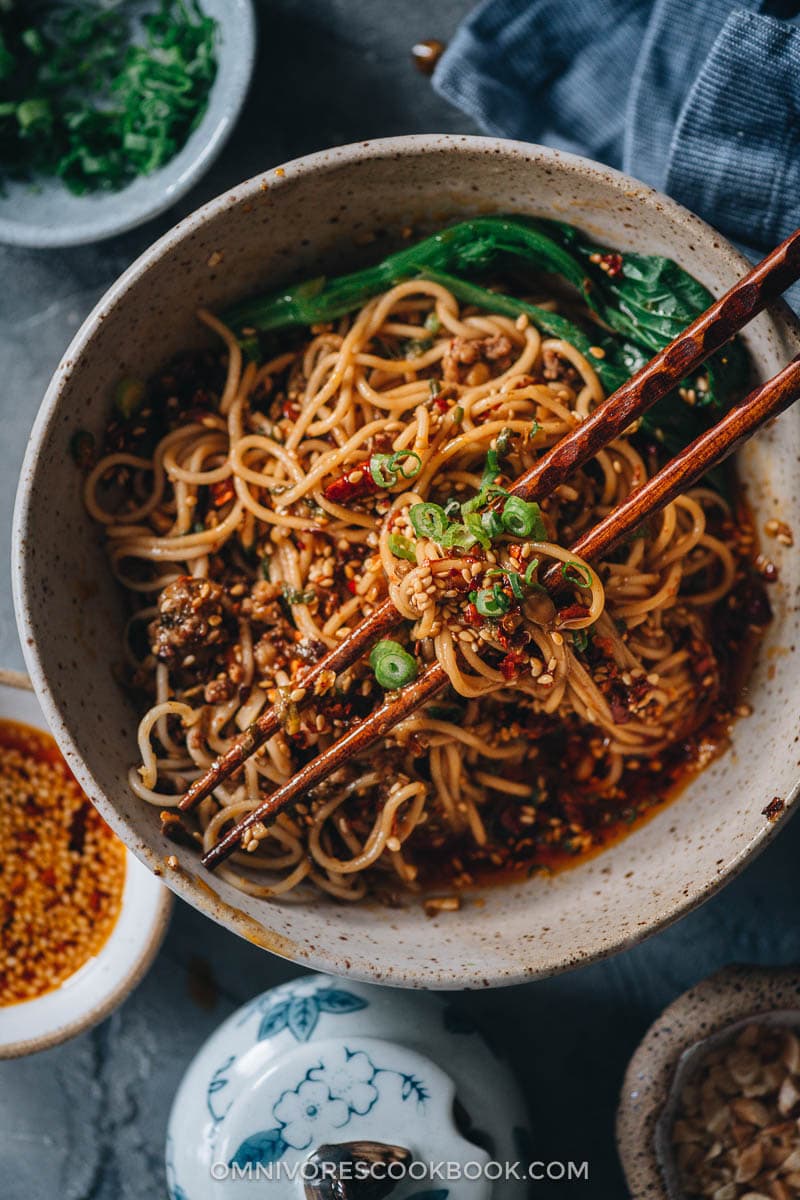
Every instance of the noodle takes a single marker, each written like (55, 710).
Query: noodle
(253, 535)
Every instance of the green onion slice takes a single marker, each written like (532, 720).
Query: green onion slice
(429, 520)
(457, 536)
(294, 596)
(393, 666)
(474, 524)
(580, 639)
(492, 523)
(402, 547)
(577, 573)
(492, 602)
(522, 518)
(529, 570)
(503, 442)
(385, 468)
(515, 583)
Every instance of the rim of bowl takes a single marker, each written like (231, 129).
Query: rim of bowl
(279, 176)
(183, 170)
(64, 1029)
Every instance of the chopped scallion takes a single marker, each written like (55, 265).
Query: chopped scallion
(392, 665)
(492, 602)
(523, 518)
(577, 573)
(429, 520)
(402, 547)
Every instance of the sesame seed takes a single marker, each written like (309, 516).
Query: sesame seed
(63, 870)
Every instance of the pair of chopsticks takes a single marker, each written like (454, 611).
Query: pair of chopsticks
(716, 326)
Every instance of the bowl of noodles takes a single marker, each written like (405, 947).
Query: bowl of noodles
(316, 393)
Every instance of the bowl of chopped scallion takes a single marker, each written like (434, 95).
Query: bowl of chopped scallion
(110, 110)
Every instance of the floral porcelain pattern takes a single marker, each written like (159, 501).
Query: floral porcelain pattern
(296, 1010)
(299, 1010)
(345, 1084)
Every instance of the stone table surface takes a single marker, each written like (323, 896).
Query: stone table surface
(86, 1121)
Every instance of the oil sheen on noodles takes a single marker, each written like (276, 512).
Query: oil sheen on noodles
(612, 674)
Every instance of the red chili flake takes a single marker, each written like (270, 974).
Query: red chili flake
(604, 645)
(77, 828)
(351, 586)
(472, 616)
(510, 664)
(571, 612)
(774, 808)
(457, 581)
(344, 489)
(290, 409)
(612, 265)
(441, 403)
(222, 492)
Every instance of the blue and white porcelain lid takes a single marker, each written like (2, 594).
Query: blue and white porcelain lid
(338, 1092)
(396, 1085)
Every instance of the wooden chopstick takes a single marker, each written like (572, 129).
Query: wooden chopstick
(716, 326)
(705, 452)
(380, 621)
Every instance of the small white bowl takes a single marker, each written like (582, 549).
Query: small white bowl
(104, 981)
(50, 215)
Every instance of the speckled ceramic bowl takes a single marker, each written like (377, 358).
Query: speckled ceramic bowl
(293, 222)
(694, 1024)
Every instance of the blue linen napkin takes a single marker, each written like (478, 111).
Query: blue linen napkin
(700, 98)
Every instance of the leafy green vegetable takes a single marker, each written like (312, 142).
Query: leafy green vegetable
(641, 302)
(82, 99)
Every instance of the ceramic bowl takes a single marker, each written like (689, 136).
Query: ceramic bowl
(288, 224)
(50, 215)
(104, 981)
(690, 1027)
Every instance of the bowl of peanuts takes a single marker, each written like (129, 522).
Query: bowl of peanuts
(710, 1105)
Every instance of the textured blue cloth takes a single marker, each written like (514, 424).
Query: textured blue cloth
(700, 98)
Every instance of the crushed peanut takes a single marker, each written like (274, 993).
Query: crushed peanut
(737, 1130)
